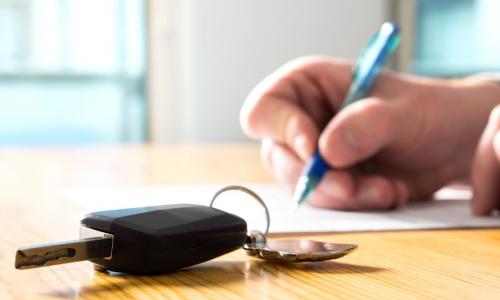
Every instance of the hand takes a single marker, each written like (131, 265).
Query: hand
(409, 138)
(486, 168)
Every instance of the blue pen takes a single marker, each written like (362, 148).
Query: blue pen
(364, 75)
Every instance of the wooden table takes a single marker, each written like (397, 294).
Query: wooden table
(388, 265)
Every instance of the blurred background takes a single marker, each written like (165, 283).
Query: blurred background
(78, 72)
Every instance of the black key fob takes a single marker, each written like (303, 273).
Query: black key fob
(159, 239)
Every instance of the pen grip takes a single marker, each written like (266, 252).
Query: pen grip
(317, 167)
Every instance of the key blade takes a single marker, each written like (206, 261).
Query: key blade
(64, 252)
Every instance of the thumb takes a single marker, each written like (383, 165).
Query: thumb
(358, 132)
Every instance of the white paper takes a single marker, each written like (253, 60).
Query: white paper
(451, 210)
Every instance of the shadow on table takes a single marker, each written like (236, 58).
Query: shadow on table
(208, 275)
(330, 267)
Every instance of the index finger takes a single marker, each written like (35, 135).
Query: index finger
(293, 104)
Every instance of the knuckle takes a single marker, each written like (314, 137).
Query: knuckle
(247, 118)
(496, 144)
(379, 113)
(495, 115)
(251, 115)
(266, 150)
(303, 61)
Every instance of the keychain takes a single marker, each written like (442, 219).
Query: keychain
(160, 239)
(291, 250)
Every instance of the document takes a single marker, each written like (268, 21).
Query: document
(449, 209)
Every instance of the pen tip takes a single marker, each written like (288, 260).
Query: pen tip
(302, 191)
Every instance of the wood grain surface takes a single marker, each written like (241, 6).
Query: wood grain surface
(444, 264)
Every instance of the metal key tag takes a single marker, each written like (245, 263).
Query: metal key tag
(290, 250)
(294, 250)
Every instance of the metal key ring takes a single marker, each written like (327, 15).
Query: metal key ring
(251, 193)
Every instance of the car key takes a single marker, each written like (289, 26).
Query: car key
(146, 240)
(160, 239)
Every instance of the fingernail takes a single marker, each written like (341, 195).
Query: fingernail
(332, 188)
(301, 147)
(333, 191)
(403, 193)
(368, 195)
(352, 140)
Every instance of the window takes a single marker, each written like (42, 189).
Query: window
(457, 37)
(72, 71)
